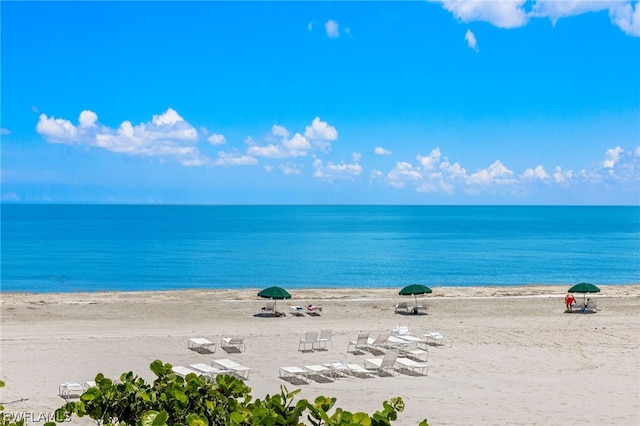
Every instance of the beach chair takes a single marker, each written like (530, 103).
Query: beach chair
(232, 344)
(268, 309)
(314, 311)
(340, 368)
(378, 342)
(359, 344)
(294, 375)
(232, 367)
(385, 365)
(309, 338)
(323, 338)
(297, 311)
(402, 308)
(414, 353)
(359, 371)
(436, 339)
(207, 370)
(68, 389)
(413, 367)
(201, 345)
(320, 373)
(402, 330)
(183, 371)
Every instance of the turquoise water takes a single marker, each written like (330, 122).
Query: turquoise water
(67, 248)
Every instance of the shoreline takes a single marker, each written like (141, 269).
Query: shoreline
(342, 293)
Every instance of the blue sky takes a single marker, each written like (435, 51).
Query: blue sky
(432, 102)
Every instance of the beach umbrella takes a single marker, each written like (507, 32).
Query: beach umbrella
(414, 290)
(275, 293)
(584, 288)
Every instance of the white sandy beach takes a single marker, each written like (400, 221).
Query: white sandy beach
(516, 358)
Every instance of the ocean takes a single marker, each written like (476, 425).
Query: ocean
(78, 248)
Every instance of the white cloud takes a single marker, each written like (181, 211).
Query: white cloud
(470, 38)
(332, 28)
(234, 159)
(624, 14)
(455, 171)
(216, 139)
(636, 152)
(562, 178)
(310, 26)
(320, 130)
(403, 173)
(502, 14)
(612, 157)
(496, 173)
(537, 173)
(269, 151)
(167, 135)
(291, 168)
(57, 129)
(88, 119)
(381, 151)
(334, 171)
(429, 162)
(554, 9)
(279, 131)
(4, 131)
(627, 18)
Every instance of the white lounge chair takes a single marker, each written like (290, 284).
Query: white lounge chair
(359, 344)
(183, 371)
(359, 371)
(232, 344)
(402, 330)
(339, 368)
(412, 366)
(297, 311)
(268, 309)
(321, 373)
(386, 364)
(201, 345)
(314, 311)
(414, 340)
(414, 353)
(294, 375)
(309, 338)
(68, 389)
(323, 338)
(232, 367)
(378, 342)
(207, 370)
(403, 308)
(436, 338)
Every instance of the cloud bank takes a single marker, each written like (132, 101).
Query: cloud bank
(518, 13)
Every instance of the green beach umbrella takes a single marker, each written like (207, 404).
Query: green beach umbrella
(584, 288)
(275, 293)
(414, 290)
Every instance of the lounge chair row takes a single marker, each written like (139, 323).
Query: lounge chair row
(390, 364)
(203, 345)
(218, 366)
(312, 310)
(409, 309)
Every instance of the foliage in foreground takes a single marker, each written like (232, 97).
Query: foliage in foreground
(197, 401)
(7, 419)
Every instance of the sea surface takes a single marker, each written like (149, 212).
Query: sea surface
(74, 248)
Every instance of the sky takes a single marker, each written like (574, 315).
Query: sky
(421, 102)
